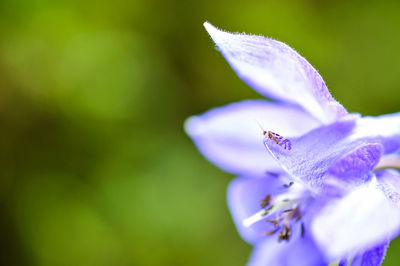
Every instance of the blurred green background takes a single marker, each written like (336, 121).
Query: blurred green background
(95, 166)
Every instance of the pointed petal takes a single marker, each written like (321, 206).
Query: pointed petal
(231, 136)
(359, 221)
(299, 252)
(244, 198)
(372, 257)
(351, 142)
(277, 71)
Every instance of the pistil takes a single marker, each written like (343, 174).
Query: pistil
(260, 215)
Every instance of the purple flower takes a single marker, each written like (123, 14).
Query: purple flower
(316, 185)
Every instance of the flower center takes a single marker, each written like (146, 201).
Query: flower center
(282, 210)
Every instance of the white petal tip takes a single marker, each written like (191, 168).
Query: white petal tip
(215, 33)
(209, 27)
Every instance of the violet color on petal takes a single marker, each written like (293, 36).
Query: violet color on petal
(330, 200)
(386, 128)
(353, 169)
(297, 252)
(242, 205)
(230, 136)
(356, 222)
(277, 71)
(313, 154)
(389, 184)
(372, 257)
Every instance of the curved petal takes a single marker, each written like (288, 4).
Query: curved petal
(299, 252)
(312, 155)
(386, 128)
(389, 184)
(372, 257)
(359, 221)
(231, 136)
(274, 69)
(351, 170)
(244, 197)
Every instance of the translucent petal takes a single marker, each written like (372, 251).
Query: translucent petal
(277, 71)
(299, 252)
(244, 198)
(352, 169)
(232, 138)
(372, 257)
(359, 221)
(352, 141)
(386, 128)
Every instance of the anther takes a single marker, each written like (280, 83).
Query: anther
(288, 185)
(265, 202)
(302, 230)
(285, 233)
(295, 214)
(271, 232)
(275, 221)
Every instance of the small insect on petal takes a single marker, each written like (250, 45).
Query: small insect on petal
(278, 139)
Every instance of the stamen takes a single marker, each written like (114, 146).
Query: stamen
(282, 211)
(285, 233)
(265, 202)
(271, 232)
(288, 185)
(275, 221)
(295, 213)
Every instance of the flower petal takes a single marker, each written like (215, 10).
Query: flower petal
(353, 169)
(359, 221)
(372, 257)
(244, 197)
(299, 252)
(385, 127)
(312, 155)
(274, 69)
(231, 136)
(389, 184)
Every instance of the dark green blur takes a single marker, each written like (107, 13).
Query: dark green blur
(95, 166)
